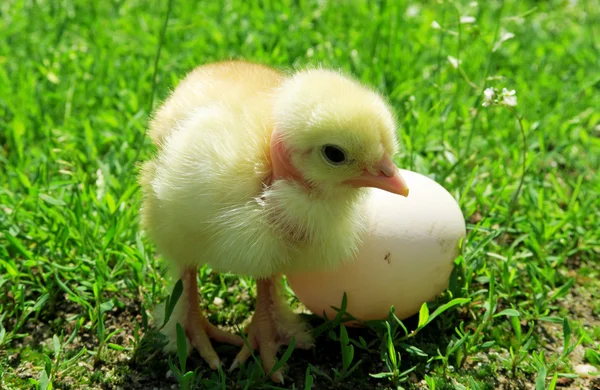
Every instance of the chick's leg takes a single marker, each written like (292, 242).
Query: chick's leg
(197, 328)
(273, 324)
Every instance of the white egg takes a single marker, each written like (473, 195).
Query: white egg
(405, 259)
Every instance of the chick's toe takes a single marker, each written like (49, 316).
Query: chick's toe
(272, 326)
(198, 329)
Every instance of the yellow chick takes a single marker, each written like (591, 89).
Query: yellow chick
(260, 173)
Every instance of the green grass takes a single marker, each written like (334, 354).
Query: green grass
(77, 278)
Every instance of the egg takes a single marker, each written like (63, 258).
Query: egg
(405, 259)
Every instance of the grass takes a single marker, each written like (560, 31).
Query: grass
(77, 278)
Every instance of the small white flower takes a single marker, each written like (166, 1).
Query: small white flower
(473, 4)
(467, 19)
(489, 95)
(504, 36)
(454, 62)
(412, 11)
(100, 184)
(509, 98)
(435, 25)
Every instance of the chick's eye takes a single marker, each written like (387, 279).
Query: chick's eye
(334, 155)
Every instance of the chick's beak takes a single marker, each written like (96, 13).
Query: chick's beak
(386, 176)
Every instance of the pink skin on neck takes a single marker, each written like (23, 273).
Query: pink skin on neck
(280, 160)
(384, 175)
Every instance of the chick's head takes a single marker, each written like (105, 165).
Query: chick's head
(333, 133)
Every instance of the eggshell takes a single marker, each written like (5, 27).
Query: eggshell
(405, 259)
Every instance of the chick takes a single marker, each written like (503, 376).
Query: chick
(260, 173)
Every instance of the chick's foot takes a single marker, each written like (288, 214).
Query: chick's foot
(273, 325)
(198, 329)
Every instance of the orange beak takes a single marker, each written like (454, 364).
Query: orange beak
(386, 177)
